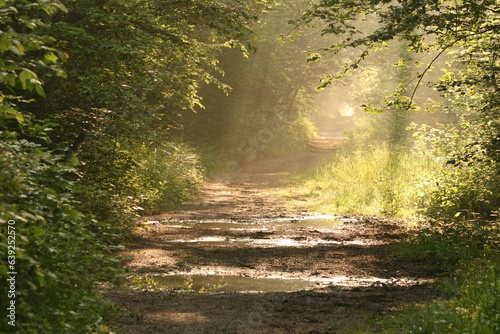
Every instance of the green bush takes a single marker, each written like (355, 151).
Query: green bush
(468, 252)
(128, 180)
(442, 245)
(164, 177)
(468, 182)
(60, 253)
(473, 309)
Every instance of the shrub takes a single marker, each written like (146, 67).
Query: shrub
(164, 177)
(474, 308)
(60, 253)
(442, 245)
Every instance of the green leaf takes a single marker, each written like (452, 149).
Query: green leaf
(4, 43)
(24, 76)
(51, 57)
(16, 50)
(40, 91)
(20, 118)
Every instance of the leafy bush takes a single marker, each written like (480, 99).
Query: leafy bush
(468, 183)
(60, 252)
(164, 177)
(474, 308)
(129, 180)
(443, 245)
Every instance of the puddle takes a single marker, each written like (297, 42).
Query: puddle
(223, 283)
(218, 283)
(284, 242)
(319, 222)
(279, 242)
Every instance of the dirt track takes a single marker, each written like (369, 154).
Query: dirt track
(354, 273)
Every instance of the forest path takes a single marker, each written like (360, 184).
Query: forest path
(315, 274)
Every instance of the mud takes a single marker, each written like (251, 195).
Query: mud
(242, 231)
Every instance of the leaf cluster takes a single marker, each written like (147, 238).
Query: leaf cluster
(424, 24)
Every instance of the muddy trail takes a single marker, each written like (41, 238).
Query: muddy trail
(243, 260)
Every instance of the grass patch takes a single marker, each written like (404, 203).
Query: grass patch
(473, 308)
(375, 180)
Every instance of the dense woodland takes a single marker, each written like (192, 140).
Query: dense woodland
(114, 109)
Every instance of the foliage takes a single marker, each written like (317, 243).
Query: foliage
(473, 308)
(469, 182)
(129, 70)
(133, 69)
(164, 177)
(462, 190)
(443, 245)
(451, 23)
(467, 148)
(373, 180)
(24, 52)
(60, 252)
(58, 255)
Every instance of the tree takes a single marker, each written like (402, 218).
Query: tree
(129, 69)
(425, 24)
(25, 51)
(50, 251)
(467, 32)
(132, 70)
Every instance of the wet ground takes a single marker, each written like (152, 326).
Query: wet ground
(243, 260)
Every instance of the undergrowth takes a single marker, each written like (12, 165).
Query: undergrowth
(373, 180)
(472, 306)
(466, 253)
(54, 255)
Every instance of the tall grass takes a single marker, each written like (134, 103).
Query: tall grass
(474, 308)
(373, 180)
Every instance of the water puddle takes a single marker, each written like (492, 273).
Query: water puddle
(318, 222)
(218, 283)
(229, 283)
(279, 242)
